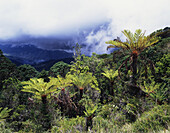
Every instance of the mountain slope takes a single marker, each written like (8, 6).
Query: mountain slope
(29, 54)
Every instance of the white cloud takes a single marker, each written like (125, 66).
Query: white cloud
(68, 17)
(145, 14)
(95, 41)
(48, 17)
(149, 15)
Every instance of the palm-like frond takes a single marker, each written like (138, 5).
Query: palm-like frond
(129, 36)
(63, 82)
(82, 80)
(118, 44)
(90, 109)
(134, 42)
(110, 74)
(38, 87)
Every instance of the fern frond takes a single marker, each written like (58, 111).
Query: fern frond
(4, 113)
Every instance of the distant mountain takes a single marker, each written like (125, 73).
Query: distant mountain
(30, 54)
(17, 61)
(48, 64)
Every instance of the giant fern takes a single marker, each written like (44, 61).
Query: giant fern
(134, 44)
(38, 87)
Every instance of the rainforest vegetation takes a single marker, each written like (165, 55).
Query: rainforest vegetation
(125, 91)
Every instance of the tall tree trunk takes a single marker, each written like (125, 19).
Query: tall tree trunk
(44, 104)
(111, 88)
(44, 110)
(134, 67)
(133, 89)
(81, 93)
(80, 106)
(89, 122)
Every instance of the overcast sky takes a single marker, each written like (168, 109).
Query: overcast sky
(66, 18)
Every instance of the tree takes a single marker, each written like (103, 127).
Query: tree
(90, 109)
(64, 99)
(41, 90)
(44, 74)
(10, 95)
(26, 72)
(59, 68)
(134, 45)
(83, 80)
(7, 69)
(111, 74)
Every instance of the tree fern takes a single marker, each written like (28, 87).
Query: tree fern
(134, 44)
(110, 74)
(82, 80)
(38, 87)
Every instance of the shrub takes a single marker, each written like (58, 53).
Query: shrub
(156, 119)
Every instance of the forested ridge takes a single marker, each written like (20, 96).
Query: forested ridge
(125, 91)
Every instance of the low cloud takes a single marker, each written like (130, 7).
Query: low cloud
(149, 15)
(90, 23)
(48, 18)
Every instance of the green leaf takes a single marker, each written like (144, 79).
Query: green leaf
(4, 113)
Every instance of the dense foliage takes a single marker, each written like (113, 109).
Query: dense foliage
(125, 91)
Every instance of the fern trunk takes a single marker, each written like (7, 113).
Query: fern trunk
(44, 111)
(134, 68)
(81, 93)
(89, 122)
(133, 89)
(111, 88)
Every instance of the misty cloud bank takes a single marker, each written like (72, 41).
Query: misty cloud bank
(55, 24)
